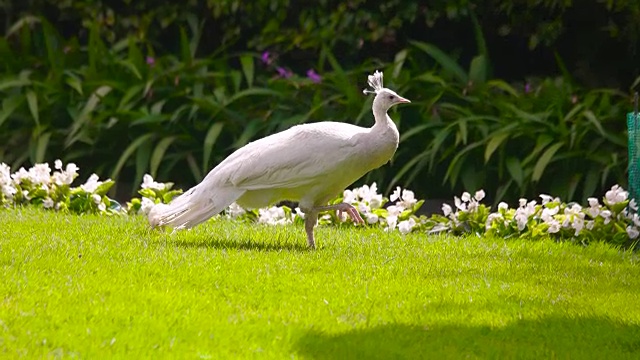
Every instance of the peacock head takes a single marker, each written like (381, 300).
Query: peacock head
(385, 98)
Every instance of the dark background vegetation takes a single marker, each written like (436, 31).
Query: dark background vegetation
(515, 97)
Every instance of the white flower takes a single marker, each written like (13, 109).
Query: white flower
(479, 195)
(491, 218)
(102, 207)
(589, 224)
(20, 175)
(299, 212)
(396, 194)
(92, 184)
(272, 216)
(522, 202)
(392, 220)
(632, 232)
(363, 208)
(593, 202)
(67, 176)
(148, 183)
(97, 199)
(633, 205)
(459, 204)
(548, 213)
(40, 174)
(466, 196)
(503, 206)
(394, 210)
(348, 197)
(615, 195)
(9, 190)
(47, 203)
(446, 209)
(521, 220)
(577, 225)
(5, 174)
(545, 198)
(57, 164)
(146, 205)
(606, 215)
(234, 210)
(554, 226)
(371, 218)
(406, 226)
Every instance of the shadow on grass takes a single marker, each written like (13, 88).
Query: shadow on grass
(544, 338)
(242, 244)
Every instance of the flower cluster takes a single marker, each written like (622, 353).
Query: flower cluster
(615, 219)
(366, 199)
(52, 190)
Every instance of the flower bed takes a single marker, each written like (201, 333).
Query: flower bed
(615, 220)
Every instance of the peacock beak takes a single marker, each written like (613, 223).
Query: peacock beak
(403, 100)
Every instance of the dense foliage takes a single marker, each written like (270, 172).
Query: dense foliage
(162, 89)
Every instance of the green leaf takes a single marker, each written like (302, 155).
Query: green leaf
(544, 160)
(158, 154)
(515, 170)
(32, 101)
(209, 141)
(478, 70)
(74, 82)
(446, 62)
(86, 112)
(398, 62)
(41, 147)
(247, 68)
(9, 105)
(493, 144)
(128, 152)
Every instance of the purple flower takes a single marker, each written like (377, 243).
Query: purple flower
(527, 88)
(151, 61)
(285, 73)
(266, 58)
(311, 74)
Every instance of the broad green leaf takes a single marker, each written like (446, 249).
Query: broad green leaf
(126, 154)
(193, 166)
(9, 105)
(448, 63)
(544, 160)
(74, 82)
(87, 110)
(515, 170)
(41, 147)
(398, 62)
(185, 51)
(209, 141)
(131, 67)
(13, 82)
(493, 144)
(32, 101)
(247, 68)
(158, 154)
(143, 157)
(478, 70)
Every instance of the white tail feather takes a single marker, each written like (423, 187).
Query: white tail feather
(193, 207)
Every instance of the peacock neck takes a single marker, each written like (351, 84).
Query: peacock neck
(383, 121)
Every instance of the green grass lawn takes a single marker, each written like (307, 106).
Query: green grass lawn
(95, 287)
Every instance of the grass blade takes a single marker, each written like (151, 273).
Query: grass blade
(248, 68)
(32, 101)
